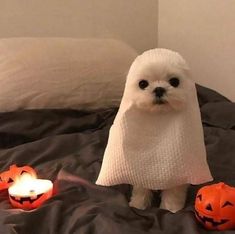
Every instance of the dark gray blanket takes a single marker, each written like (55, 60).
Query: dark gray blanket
(67, 147)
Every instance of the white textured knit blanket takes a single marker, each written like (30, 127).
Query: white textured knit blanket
(156, 150)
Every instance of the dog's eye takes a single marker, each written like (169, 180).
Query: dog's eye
(174, 82)
(143, 84)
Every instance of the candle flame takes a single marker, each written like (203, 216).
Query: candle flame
(25, 176)
(28, 185)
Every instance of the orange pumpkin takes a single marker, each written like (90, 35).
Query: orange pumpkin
(9, 177)
(30, 202)
(29, 193)
(215, 206)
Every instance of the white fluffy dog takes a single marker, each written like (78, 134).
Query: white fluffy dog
(160, 88)
(156, 141)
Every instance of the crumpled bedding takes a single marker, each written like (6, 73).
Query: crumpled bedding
(67, 147)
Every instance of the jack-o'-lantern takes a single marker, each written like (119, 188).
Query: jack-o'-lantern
(7, 178)
(29, 192)
(215, 206)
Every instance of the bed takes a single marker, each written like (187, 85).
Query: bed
(66, 145)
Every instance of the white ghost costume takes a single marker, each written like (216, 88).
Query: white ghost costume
(156, 149)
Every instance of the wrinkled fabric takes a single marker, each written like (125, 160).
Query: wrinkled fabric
(67, 147)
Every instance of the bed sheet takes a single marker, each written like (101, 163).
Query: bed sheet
(67, 146)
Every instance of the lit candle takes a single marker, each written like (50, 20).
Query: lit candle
(29, 192)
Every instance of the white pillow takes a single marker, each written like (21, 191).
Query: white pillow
(62, 73)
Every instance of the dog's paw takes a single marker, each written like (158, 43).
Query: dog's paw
(141, 205)
(141, 198)
(174, 199)
(172, 207)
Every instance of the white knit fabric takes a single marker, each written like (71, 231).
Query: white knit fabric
(155, 150)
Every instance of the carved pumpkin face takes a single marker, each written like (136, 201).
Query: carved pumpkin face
(29, 193)
(7, 178)
(215, 206)
(30, 202)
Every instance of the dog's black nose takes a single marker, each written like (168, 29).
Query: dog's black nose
(159, 91)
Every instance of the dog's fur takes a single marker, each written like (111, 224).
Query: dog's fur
(158, 67)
